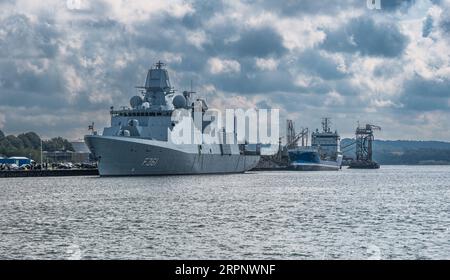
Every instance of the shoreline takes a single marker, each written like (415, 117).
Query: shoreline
(48, 173)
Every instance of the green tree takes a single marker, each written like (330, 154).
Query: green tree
(25, 141)
(30, 140)
(57, 144)
(29, 144)
(34, 139)
(15, 141)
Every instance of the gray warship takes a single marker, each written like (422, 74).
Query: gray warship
(138, 141)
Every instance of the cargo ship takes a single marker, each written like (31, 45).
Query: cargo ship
(323, 154)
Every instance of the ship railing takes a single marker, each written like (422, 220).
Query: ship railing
(140, 113)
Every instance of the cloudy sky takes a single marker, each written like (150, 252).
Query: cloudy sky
(63, 63)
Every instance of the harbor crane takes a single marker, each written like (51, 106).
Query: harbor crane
(364, 147)
(292, 138)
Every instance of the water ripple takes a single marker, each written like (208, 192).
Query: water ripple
(396, 212)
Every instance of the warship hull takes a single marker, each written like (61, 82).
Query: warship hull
(123, 156)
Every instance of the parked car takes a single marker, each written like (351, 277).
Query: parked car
(88, 165)
(13, 166)
(25, 167)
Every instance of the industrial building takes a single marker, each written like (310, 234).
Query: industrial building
(80, 155)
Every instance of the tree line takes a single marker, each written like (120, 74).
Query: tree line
(29, 145)
(416, 156)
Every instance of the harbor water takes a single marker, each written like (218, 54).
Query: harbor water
(397, 212)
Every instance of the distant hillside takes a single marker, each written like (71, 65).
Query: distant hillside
(405, 152)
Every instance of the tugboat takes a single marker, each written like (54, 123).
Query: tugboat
(138, 141)
(323, 154)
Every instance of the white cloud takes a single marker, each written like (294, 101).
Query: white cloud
(140, 10)
(74, 83)
(334, 98)
(383, 103)
(78, 5)
(171, 58)
(102, 49)
(269, 64)
(304, 80)
(220, 66)
(197, 38)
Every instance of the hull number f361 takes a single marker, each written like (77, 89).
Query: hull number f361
(150, 162)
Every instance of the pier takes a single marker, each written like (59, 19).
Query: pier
(48, 173)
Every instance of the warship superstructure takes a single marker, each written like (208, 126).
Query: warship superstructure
(138, 142)
(323, 154)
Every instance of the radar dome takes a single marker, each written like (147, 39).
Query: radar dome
(179, 101)
(136, 101)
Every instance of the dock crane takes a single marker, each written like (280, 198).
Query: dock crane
(364, 147)
(292, 138)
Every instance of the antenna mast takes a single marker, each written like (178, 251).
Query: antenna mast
(326, 123)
